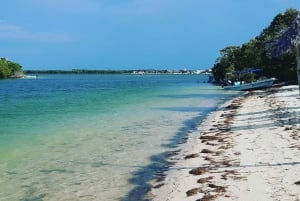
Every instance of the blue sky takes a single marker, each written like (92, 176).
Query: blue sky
(129, 34)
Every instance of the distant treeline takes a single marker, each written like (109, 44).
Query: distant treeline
(85, 71)
(77, 71)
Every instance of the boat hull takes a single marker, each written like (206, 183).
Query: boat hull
(251, 86)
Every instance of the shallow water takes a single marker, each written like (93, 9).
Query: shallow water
(94, 137)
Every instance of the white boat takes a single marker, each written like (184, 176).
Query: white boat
(30, 76)
(260, 84)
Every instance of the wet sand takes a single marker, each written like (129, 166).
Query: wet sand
(249, 149)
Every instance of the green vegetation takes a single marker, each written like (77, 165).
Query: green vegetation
(87, 71)
(77, 71)
(9, 69)
(254, 54)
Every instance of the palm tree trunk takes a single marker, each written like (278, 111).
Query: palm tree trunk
(298, 63)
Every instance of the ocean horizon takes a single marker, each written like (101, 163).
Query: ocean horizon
(96, 137)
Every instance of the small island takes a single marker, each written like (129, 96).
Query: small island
(9, 69)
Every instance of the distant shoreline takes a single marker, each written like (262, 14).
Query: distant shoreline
(109, 72)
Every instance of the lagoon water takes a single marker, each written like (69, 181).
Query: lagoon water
(95, 137)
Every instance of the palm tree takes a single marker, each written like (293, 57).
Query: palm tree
(288, 40)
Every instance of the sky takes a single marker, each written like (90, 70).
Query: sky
(129, 34)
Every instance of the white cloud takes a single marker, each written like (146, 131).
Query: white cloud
(11, 31)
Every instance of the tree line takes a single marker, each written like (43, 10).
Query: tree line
(254, 54)
(76, 71)
(9, 69)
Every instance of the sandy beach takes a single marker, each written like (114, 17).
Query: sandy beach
(248, 150)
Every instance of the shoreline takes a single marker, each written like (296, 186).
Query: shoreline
(248, 149)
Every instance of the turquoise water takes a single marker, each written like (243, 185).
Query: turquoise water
(94, 137)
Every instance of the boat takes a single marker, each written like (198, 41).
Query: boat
(30, 76)
(260, 84)
(243, 86)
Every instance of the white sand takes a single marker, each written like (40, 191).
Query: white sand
(249, 150)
